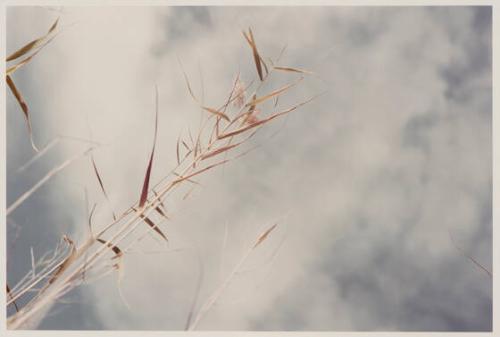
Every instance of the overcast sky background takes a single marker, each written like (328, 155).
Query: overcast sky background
(366, 182)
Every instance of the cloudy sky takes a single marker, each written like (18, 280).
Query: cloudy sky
(368, 183)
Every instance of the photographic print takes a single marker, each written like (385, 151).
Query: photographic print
(248, 168)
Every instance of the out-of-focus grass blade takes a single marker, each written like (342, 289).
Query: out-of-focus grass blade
(470, 258)
(264, 235)
(54, 25)
(177, 151)
(15, 67)
(188, 193)
(264, 64)
(91, 214)
(145, 185)
(187, 83)
(42, 181)
(294, 70)
(32, 45)
(282, 51)
(42, 151)
(24, 107)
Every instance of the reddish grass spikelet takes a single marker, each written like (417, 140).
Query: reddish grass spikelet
(257, 59)
(24, 107)
(145, 185)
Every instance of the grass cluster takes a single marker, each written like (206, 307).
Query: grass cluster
(224, 130)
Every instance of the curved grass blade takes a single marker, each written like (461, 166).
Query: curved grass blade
(90, 217)
(187, 82)
(24, 107)
(264, 64)
(12, 69)
(99, 179)
(196, 294)
(31, 45)
(15, 67)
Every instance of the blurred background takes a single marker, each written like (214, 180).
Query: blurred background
(379, 186)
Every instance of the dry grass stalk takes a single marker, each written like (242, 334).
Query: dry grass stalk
(42, 181)
(51, 144)
(212, 299)
(69, 266)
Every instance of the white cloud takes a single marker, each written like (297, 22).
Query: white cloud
(384, 163)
